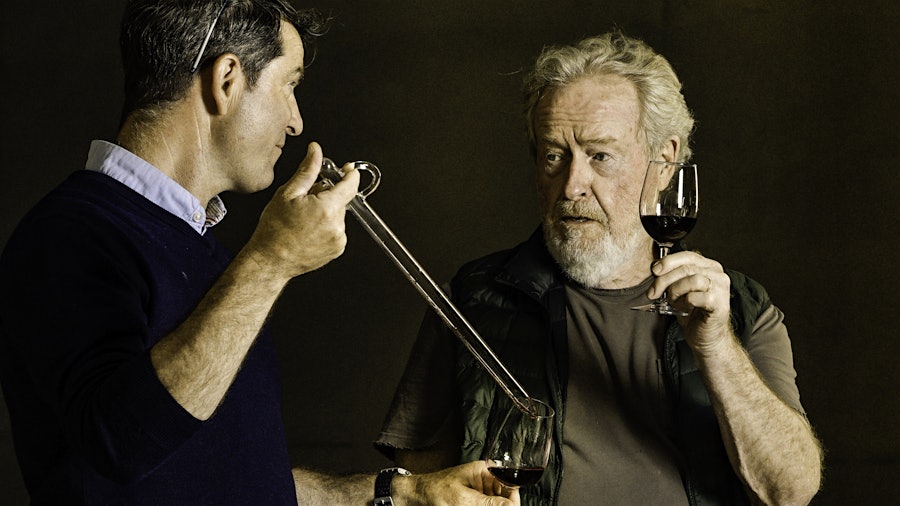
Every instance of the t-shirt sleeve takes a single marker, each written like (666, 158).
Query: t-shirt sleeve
(769, 348)
(425, 407)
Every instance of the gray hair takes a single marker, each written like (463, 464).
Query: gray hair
(663, 111)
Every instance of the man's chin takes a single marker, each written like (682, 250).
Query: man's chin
(260, 184)
(592, 258)
(578, 236)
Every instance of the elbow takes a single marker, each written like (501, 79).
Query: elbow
(791, 479)
(797, 489)
(124, 475)
(800, 494)
(809, 486)
(808, 483)
(116, 449)
(796, 496)
(120, 465)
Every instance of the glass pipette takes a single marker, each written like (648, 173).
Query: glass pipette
(416, 274)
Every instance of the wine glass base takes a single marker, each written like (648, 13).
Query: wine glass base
(661, 307)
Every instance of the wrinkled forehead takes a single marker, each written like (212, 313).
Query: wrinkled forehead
(589, 105)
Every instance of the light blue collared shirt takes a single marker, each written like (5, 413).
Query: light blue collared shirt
(135, 173)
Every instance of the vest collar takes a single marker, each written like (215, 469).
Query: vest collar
(531, 269)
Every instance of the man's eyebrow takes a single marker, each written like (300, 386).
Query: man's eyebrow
(550, 140)
(598, 141)
(603, 141)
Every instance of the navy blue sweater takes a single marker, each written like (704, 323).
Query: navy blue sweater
(91, 279)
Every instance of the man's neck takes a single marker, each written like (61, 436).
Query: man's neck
(167, 143)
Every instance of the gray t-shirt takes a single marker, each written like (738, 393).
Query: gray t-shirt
(618, 439)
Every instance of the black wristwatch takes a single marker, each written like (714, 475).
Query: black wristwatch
(383, 485)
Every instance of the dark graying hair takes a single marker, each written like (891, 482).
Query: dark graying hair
(663, 109)
(160, 39)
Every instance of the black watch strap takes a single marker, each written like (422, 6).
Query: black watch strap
(383, 485)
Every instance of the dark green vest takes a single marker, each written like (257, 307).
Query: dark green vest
(516, 301)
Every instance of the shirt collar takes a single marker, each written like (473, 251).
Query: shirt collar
(145, 179)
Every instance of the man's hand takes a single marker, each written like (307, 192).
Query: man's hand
(700, 287)
(300, 229)
(465, 484)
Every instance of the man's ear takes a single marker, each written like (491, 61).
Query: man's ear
(670, 149)
(228, 82)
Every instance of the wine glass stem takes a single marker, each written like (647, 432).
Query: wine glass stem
(663, 251)
(664, 248)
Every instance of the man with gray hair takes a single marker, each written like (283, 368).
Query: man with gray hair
(651, 409)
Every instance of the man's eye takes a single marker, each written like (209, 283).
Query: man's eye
(602, 157)
(553, 163)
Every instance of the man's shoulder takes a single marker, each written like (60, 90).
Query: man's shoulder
(82, 192)
(524, 270)
(748, 301)
(89, 199)
(486, 265)
(743, 286)
(87, 214)
(530, 253)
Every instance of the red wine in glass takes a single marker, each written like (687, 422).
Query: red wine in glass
(668, 229)
(517, 476)
(668, 211)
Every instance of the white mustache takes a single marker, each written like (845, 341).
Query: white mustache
(571, 209)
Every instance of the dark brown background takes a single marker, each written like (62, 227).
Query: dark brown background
(797, 140)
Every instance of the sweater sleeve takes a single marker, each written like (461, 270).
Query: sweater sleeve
(74, 306)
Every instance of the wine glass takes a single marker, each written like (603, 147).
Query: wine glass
(520, 444)
(668, 211)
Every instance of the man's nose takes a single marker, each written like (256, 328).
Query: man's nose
(578, 179)
(295, 125)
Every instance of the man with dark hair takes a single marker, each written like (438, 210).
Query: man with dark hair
(650, 409)
(134, 356)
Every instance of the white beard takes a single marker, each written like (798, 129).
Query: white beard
(592, 259)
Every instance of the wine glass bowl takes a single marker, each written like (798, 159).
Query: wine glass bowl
(668, 210)
(520, 444)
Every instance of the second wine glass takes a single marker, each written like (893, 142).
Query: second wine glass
(668, 211)
(520, 443)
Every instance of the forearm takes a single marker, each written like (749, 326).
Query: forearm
(317, 489)
(771, 445)
(441, 455)
(198, 361)
(465, 484)
(297, 233)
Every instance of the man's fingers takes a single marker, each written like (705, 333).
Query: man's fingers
(303, 182)
(300, 183)
(346, 188)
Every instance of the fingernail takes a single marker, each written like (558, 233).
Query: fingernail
(655, 267)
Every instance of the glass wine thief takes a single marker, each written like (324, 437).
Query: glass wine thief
(435, 297)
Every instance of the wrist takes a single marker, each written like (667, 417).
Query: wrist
(719, 351)
(388, 483)
(256, 264)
